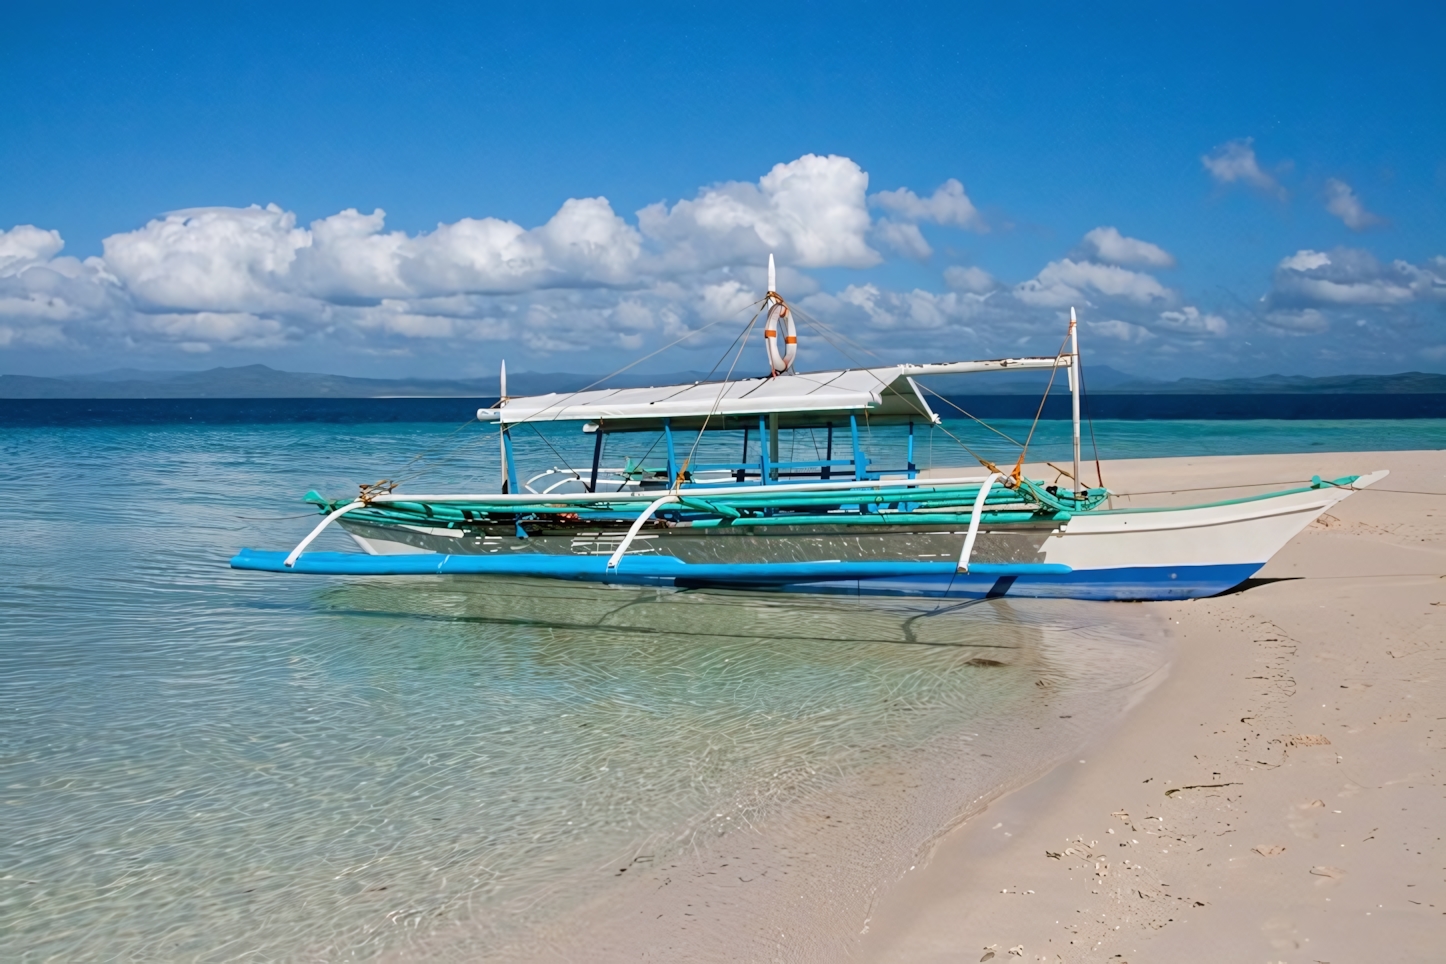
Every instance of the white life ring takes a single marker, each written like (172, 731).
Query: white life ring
(780, 362)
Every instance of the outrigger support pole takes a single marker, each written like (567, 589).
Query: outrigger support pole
(332, 517)
(647, 514)
(978, 514)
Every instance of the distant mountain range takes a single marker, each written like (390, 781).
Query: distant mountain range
(1402, 383)
(260, 381)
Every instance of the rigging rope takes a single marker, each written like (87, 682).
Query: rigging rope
(1024, 450)
(1079, 373)
(433, 465)
(722, 390)
(825, 331)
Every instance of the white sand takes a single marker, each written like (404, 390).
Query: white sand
(1278, 798)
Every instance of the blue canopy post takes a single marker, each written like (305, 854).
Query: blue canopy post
(861, 465)
(763, 469)
(509, 482)
(672, 457)
(597, 448)
(773, 445)
(912, 468)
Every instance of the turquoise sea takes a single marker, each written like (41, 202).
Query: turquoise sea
(202, 764)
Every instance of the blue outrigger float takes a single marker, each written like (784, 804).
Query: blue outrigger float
(827, 525)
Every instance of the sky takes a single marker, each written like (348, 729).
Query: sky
(372, 189)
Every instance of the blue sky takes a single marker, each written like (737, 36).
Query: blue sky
(1218, 190)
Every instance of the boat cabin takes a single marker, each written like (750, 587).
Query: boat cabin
(837, 406)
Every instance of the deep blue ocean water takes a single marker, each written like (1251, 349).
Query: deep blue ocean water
(203, 764)
(1141, 407)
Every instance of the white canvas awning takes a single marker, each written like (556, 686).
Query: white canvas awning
(810, 398)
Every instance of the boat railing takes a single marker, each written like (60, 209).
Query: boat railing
(634, 477)
(617, 479)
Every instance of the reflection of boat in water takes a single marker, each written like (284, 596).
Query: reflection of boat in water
(703, 613)
(828, 525)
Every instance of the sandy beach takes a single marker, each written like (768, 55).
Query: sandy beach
(1277, 797)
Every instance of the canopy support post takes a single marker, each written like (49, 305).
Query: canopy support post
(622, 548)
(672, 457)
(763, 469)
(597, 447)
(973, 533)
(509, 466)
(860, 463)
(828, 455)
(773, 444)
(912, 469)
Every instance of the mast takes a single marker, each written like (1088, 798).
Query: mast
(1075, 384)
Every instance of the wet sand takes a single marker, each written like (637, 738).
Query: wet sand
(1278, 798)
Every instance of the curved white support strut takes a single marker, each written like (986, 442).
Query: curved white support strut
(637, 525)
(291, 559)
(974, 521)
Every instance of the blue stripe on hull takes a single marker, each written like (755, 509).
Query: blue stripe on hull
(1135, 583)
(935, 579)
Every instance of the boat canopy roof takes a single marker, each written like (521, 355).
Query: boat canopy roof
(801, 400)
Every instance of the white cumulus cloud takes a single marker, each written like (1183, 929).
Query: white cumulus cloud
(869, 307)
(1069, 282)
(25, 245)
(209, 259)
(1351, 276)
(1107, 244)
(1190, 320)
(43, 293)
(903, 237)
(811, 212)
(1306, 321)
(1119, 330)
(1235, 162)
(584, 245)
(949, 205)
(597, 285)
(1341, 200)
(974, 280)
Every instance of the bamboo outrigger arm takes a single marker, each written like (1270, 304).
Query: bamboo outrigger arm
(637, 525)
(974, 518)
(332, 517)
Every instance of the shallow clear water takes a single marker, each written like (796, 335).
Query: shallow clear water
(197, 763)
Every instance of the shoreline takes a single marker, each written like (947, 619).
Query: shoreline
(1276, 797)
(796, 882)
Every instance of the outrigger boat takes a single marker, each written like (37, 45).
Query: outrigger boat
(829, 525)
